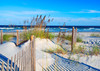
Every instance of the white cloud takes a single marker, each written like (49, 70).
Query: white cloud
(27, 12)
(78, 21)
(87, 11)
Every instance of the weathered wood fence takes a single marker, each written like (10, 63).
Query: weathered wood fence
(17, 34)
(24, 60)
(74, 38)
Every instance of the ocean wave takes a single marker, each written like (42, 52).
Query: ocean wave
(97, 29)
(90, 28)
(6, 28)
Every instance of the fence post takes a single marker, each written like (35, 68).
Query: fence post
(21, 60)
(11, 64)
(14, 62)
(2, 66)
(72, 44)
(17, 38)
(17, 62)
(8, 65)
(33, 57)
(1, 36)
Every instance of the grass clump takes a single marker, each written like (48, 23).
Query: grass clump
(69, 37)
(95, 50)
(79, 49)
(79, 39)
(56, 50)
(7, 37)
(36, 33)
(95, 35)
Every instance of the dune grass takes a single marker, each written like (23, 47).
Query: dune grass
(56, 50)
(79, 49)
(69, 37)
(95, 50)
(95, 35)
(36, 33)
(7, 37)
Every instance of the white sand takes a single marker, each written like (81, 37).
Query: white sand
(44, 59)
(9, 49)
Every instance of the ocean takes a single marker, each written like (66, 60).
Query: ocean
(6, 28)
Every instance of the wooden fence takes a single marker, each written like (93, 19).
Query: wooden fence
(18, 37)
(74, 38)
(24, 60)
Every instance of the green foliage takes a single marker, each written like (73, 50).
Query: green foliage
(95, 50)
(95, 35)
(7, 37)
(56, 50)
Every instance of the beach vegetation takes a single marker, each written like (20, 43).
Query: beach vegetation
(79, 49)
(95, 50)
(56, 50)
(7, 37)
(37, 34)
(95, 35)
(69, 37)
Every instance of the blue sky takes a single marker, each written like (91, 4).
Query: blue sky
(73, 12)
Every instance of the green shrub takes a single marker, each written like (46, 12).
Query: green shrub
(7, 37)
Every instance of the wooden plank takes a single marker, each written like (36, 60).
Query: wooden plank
(34, 55)
(72, 44)
(11, 64)
(22, 61)
(2, 66)
(19, 60)
(1, 36)
(14, 62)
(7, 65)
(31, 54)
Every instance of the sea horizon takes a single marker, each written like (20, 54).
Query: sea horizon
(54, 28)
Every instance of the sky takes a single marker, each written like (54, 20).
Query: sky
(72, 12)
